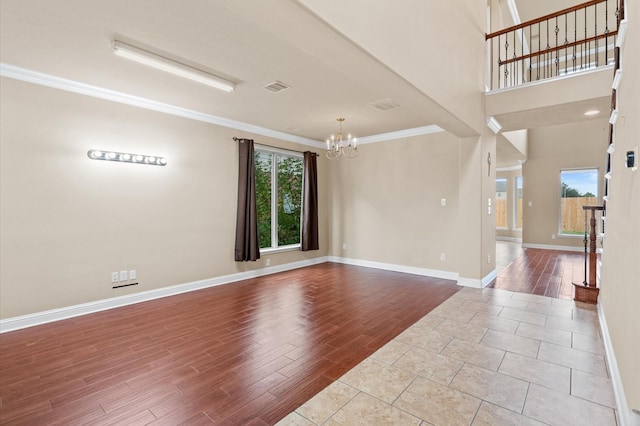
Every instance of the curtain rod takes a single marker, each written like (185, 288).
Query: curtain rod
(241, 140)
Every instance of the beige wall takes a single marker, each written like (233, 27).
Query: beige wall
(476, 227)
(385, 205)
(406, 42)
(511, 232)
(67, 222)
(620, 284)
(569, 146)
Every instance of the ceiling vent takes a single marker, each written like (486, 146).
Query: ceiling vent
(276, 86)
(384, 105)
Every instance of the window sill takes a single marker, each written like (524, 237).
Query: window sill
(293, 247)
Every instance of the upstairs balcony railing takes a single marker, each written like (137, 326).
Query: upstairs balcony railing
(575, 39)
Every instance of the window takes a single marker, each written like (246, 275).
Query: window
(501, 203)
(517, 208)
(278, 197)
(577, 188)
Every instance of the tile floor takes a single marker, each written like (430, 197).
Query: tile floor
(483, 357)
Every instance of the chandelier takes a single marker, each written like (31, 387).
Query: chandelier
(337, 147)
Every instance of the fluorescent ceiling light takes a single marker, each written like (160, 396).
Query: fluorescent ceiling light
(170, 66)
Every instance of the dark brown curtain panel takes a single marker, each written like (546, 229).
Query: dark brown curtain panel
(247, 246)
(310, 203)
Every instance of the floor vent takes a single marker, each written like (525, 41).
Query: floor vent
(276, 86)
(124, 285)
(384, 105)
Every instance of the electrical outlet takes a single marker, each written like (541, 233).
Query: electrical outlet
(268, 262)
(443, 256)
(443, 202)
(488, 258)
(114, 277)
(132, 274)
(123, 276)
(553, 236)
(344, 246)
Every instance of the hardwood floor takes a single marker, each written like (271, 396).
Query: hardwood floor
(245, 353)
(542, 272)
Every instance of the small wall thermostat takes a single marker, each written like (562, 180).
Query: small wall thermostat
(631, 159)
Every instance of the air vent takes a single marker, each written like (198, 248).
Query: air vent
(384, 105)
(276, 86)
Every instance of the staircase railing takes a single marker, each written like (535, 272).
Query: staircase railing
(575, 39)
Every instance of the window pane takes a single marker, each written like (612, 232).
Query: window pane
(577, 188)
(501, 203)
(289, 199)
(518, 203)
(263, 162)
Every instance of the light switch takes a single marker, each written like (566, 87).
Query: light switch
(132, 274)
(443, 202)
(114, 277)
(123, 275)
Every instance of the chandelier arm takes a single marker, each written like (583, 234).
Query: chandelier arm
(336, 146)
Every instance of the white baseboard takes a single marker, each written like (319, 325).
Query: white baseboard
(38, 318)
(476, 283)
(511, 239)
(551, 247)
(446, 275)
(625, 415)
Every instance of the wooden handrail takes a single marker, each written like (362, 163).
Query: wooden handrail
(563, 46)
(544, 18)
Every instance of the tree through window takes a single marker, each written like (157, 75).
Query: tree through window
(278, 197)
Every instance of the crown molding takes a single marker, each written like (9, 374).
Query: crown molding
(509, 168)
(47, 80)
(416, 131)
(22, 74)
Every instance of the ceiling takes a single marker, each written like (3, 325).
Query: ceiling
(254, 43)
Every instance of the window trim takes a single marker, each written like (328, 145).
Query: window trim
(559, 219)
(274, 200)
(515, 202)
(506, 219)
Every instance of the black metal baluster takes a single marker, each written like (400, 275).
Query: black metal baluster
(547, 57)
(606, 32)
(522, 51)
(538, 67)
(588, 43)
(575, 37)
(506, 57)
(595, 27)
(491, 65)
(530, 49)
(566, 47)
(586, 51)
(557, 61)
(514, 66)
